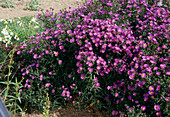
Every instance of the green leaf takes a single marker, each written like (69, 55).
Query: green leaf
(6, 93)
(19, 108)
(19, 98)
(3, 82)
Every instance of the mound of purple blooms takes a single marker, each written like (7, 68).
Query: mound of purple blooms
(116, 53)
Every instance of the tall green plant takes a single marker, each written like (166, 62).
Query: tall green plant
(33, 5)
(11, 90)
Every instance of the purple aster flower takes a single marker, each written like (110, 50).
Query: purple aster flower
(29, 86)
(157, 107)
(117, 102)
(63, 93)
(96, 85)
(164, 47)
(122, 99)
(27, 80)
(143, 108)
(69, 75)
(143, 75)
(155, 68)
(144, 45)
(95, 79)
(37, 65)
(61, 47)
(35, 56)
(82, 76)
(20, 90)
(98, 67)
(145, 98)
(158, 87)
(56, 53)
(167, 99)
(129, 6)
(109, 87)
(90, 70)
(41, 77)
(50, 73)
(60, 61)
(158, 113)
(47, 51)
(27, 71)
(79, 93)
(53, 90)
(114, 112)
(116, 94)
(162, 66)
(110, 4)
(136, 101)
(19, 52)
(130, 97)
(72, 40)
(151, 88)
(131, 76)
(151, 92)
(131, 109)
(107, 98)
(73, 84)
(168, 73)
(47, 84)
(158, 73)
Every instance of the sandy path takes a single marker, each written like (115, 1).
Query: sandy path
(20, 11)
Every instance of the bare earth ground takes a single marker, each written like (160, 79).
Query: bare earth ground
(20, 11)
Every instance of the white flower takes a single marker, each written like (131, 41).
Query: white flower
(1, 20)
(0, 39)
(6, 44)
(4, 31)
(5, 22)
(10, 20)
(36, 27)
(11, 33)
(18, 22)
(4, 40)
(33, 19)
(16, 37)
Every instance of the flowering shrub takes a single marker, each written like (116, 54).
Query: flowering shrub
(114, 54)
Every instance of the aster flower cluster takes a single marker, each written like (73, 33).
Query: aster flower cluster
(122, 56)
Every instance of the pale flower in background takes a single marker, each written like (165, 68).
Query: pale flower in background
(36, 27)
(1, 20)
(5, 22)
(16, 37)
(18, 22)
(4, 31)
(10, 20)
(11, 33)
(33, 19)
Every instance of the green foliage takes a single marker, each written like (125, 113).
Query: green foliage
(11, 90)
(33, 5)
(7, 3)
